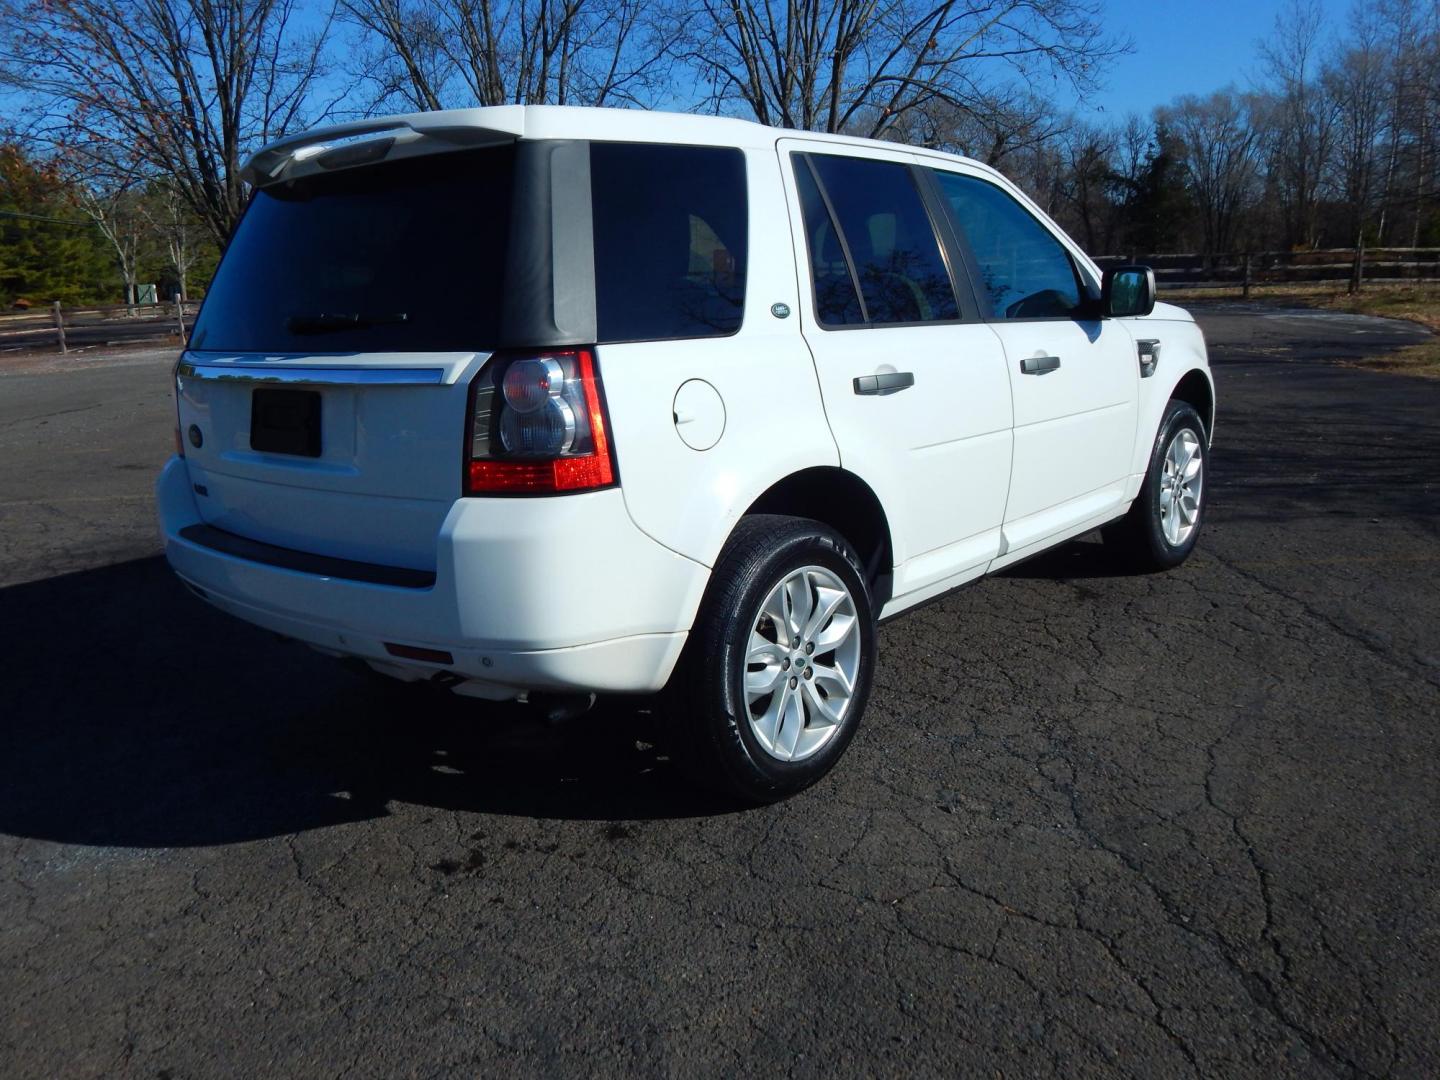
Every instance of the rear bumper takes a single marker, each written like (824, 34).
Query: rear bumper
(561, 594)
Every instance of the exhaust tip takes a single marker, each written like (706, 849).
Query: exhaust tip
(561, 708)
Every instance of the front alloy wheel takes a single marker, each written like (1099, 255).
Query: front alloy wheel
(1181, 481)
(1164, 521)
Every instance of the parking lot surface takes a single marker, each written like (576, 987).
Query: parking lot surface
(1094, 823)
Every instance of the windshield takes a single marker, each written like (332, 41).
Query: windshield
(406, 256)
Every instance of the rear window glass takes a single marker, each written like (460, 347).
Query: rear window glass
(670, 240)
(402, 256)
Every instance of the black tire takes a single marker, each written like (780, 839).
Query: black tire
(1139, 536)
(708, 716)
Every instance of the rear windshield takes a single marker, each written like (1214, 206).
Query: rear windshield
(670, 240)
(403, 256)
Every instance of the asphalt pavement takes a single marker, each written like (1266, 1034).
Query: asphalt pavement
(1094, 824)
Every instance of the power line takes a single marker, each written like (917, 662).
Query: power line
(42, 217)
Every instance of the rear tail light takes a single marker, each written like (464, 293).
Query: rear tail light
(537, 426)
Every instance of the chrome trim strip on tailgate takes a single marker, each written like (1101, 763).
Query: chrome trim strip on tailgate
(329, 376)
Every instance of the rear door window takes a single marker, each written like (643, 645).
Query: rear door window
(836, 301)
(1025, 272)
(670, 240)
(889, 238)
(408, 255)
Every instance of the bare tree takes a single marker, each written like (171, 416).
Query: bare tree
(1412, 171)
(1132, 152)
(434, 54)
(117, 214)
(1357, 80)
(861, 65)
(1221, 144)
(1088, 153)
(1427, 170)
(1302, 116)
(173, 224)
(178, 88)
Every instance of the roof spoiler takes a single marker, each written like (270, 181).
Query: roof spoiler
(362, 142)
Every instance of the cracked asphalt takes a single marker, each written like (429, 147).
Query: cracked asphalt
(1094, 823)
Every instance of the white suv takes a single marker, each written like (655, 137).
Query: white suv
(539, 402)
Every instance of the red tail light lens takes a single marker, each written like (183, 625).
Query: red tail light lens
(537, 426)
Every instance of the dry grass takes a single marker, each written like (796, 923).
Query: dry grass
(1422, 360)
(1418, 303)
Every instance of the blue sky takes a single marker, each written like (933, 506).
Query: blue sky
(1181, 47)
(1189, 48)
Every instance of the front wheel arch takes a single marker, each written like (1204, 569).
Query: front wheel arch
(1139, 536)
(1195, 389)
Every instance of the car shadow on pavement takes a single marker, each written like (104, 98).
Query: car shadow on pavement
(135, 715)
(1087, 557)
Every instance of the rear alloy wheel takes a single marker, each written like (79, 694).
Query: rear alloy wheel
(802, 664)
(1160, 530)
(777, 669)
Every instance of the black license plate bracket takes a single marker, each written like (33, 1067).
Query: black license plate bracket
(285, 422)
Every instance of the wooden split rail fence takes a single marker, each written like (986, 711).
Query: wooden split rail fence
(1339, 266)
(69, 328)
(65, 328)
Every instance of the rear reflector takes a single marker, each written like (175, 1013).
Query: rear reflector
(414, 652)
(541, 477)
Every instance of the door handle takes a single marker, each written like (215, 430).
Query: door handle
(888, 383)
(1039, 365)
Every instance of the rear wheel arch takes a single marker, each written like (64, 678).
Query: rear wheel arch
(847, 504)
(744, 683)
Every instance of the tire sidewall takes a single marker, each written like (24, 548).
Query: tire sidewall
(752, 767)
(1179, 415)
